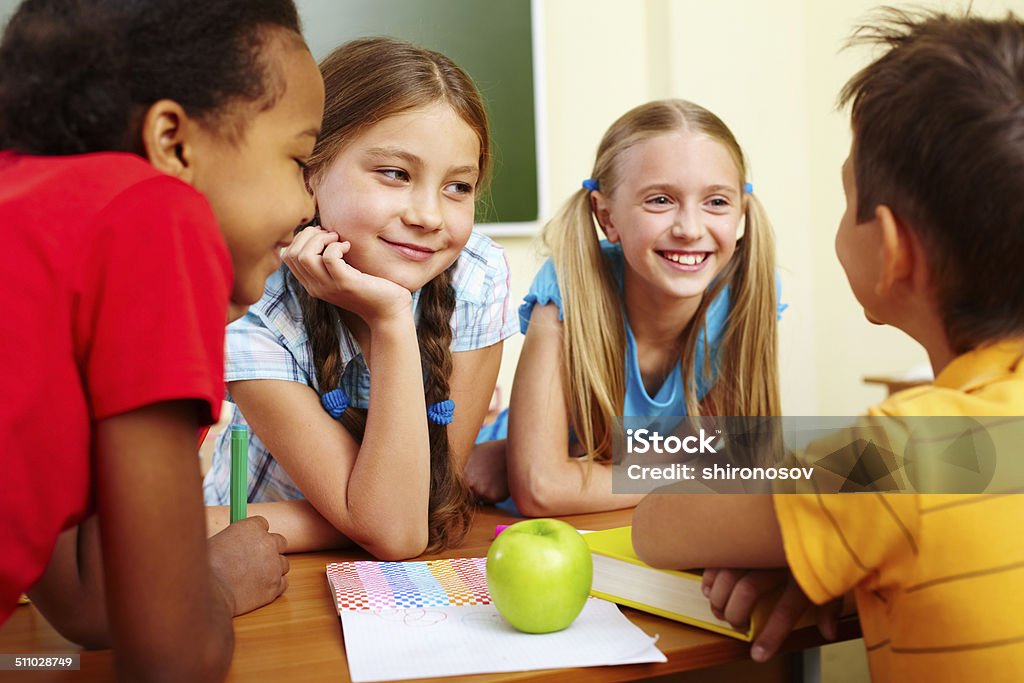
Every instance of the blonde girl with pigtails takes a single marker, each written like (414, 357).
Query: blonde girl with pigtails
(673, 312)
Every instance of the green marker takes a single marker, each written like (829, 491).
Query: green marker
(239, 471)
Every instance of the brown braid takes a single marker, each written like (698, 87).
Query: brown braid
(451, 506)
(450, 503)
(322, 320)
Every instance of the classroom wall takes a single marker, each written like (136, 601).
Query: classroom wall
(771, 71)
(739, 59)
(596, 65)
(846, 346)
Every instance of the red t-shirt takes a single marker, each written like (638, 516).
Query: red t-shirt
(116, 282)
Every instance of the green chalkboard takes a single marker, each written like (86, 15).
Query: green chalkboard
(492, 40)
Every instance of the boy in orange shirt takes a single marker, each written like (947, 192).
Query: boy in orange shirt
(931, 243)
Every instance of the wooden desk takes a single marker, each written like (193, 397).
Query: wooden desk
(298, 637)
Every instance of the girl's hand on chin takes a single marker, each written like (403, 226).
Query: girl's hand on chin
(317, 259)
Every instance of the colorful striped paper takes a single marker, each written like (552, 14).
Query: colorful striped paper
(371, 586)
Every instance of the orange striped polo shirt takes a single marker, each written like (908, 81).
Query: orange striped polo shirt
(939, 579)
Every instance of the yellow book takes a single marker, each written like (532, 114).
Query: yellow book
(620, 576)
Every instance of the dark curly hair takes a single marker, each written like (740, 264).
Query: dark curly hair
(77, 76)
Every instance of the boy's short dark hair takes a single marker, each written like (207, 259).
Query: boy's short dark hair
(938, 124)
(77, 75)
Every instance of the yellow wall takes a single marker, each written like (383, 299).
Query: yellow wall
(771, 71)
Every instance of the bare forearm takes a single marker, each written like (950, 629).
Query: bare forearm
(305, 529)
(681, 531)
(145, 507)
(394, 457)
(70, 593)
(549, 483)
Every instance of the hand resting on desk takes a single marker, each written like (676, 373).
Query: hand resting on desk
(733, 593)
(249, 564)
(245, 559)
(486, 473)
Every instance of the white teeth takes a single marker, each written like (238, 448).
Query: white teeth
(685, 259)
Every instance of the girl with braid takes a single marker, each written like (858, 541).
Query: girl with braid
(365, 371)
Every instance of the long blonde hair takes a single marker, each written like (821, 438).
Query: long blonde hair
(366, 81)
(594, 336)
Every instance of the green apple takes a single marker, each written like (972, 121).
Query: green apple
(539, 573)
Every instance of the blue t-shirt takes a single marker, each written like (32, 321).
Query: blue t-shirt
(670, 399)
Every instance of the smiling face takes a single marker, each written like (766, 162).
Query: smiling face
(402, 192)
(255, 185)
(675, 212)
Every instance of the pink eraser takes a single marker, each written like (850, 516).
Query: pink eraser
(499, 528)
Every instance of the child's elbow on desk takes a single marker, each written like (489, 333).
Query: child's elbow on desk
(649, 530)
(668, 532)
(394, 547)
(82, 630)
(213, 667)
(537, 498)
(542, 482)
(387, 538)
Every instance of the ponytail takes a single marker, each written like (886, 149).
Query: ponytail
(594, 329)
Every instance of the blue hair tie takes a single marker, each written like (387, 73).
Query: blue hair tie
(591, 185)
(748, 188)
(335, 402)
(442, 412)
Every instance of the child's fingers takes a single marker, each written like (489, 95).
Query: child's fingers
(260, 521)
(334, 261)
(285, 565)
(307, 247)
(828, 619)
(746, 594)
(327, 237)
(280, 542)
(337, 249)
(309, 251)
(780, 623)
(300, 241)
(707, 581)
(307, 263)
(296, 255)
(725, 581)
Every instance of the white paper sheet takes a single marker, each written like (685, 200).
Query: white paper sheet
(452, 641)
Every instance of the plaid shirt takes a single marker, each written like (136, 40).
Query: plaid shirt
(270, 342)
